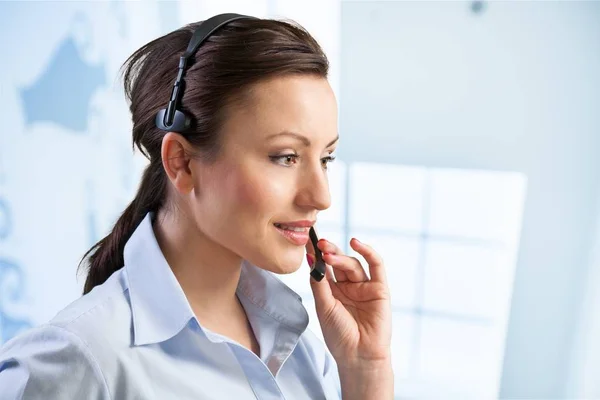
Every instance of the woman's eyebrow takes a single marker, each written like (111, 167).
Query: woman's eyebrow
(299, 137)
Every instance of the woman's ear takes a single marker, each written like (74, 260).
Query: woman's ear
(176, 162)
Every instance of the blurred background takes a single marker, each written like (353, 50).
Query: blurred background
(470, 134)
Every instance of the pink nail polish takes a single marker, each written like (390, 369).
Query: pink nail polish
(310, 260)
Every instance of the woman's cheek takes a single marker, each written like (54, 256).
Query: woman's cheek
(265, 193)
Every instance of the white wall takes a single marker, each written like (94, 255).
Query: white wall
(585, 358)
(514, 88)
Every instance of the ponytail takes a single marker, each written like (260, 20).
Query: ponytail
(107, 255)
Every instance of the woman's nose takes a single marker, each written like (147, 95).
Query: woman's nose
(314, 189)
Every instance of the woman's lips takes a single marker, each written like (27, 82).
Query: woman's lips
(297, 238)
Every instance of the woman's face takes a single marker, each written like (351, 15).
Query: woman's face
(272, 170)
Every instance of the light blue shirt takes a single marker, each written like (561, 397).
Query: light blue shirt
(136, 337)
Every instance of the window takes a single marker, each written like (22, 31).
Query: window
(449, 239)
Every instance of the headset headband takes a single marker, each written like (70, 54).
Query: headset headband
(171, 118)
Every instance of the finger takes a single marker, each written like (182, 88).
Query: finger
(324, 300)
(349, 266)
(340, 276)
(326, 248)
(376, 267)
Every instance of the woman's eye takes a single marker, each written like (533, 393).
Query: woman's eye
(288, 160)
(327, 160)
(285, 159)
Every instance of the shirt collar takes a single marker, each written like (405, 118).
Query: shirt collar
(159, 307)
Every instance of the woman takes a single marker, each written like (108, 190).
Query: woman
(181, 301)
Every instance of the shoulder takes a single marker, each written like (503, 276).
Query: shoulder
(72, 351)
(49, 362)
(103, 316)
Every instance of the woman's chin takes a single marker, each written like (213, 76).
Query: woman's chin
(285, 266)
(279, 262)
(289, 269)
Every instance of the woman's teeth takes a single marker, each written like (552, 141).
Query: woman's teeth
(291, 228)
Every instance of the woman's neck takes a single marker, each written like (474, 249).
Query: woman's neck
(207, 272)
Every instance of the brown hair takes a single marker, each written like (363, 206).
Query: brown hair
(238, 55)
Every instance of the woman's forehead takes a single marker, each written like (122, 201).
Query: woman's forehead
(303, 105)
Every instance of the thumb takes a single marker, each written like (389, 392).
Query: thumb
(324, 300)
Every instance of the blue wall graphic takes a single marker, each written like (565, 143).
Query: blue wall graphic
(12, 284)
(63, 93)
(65, 99)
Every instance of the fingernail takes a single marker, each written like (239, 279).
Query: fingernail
(310, 259)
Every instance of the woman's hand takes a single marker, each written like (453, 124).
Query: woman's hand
(353, 310)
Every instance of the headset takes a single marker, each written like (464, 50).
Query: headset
(172, 119)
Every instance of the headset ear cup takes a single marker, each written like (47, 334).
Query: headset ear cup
(160, 118)
(181, 122)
